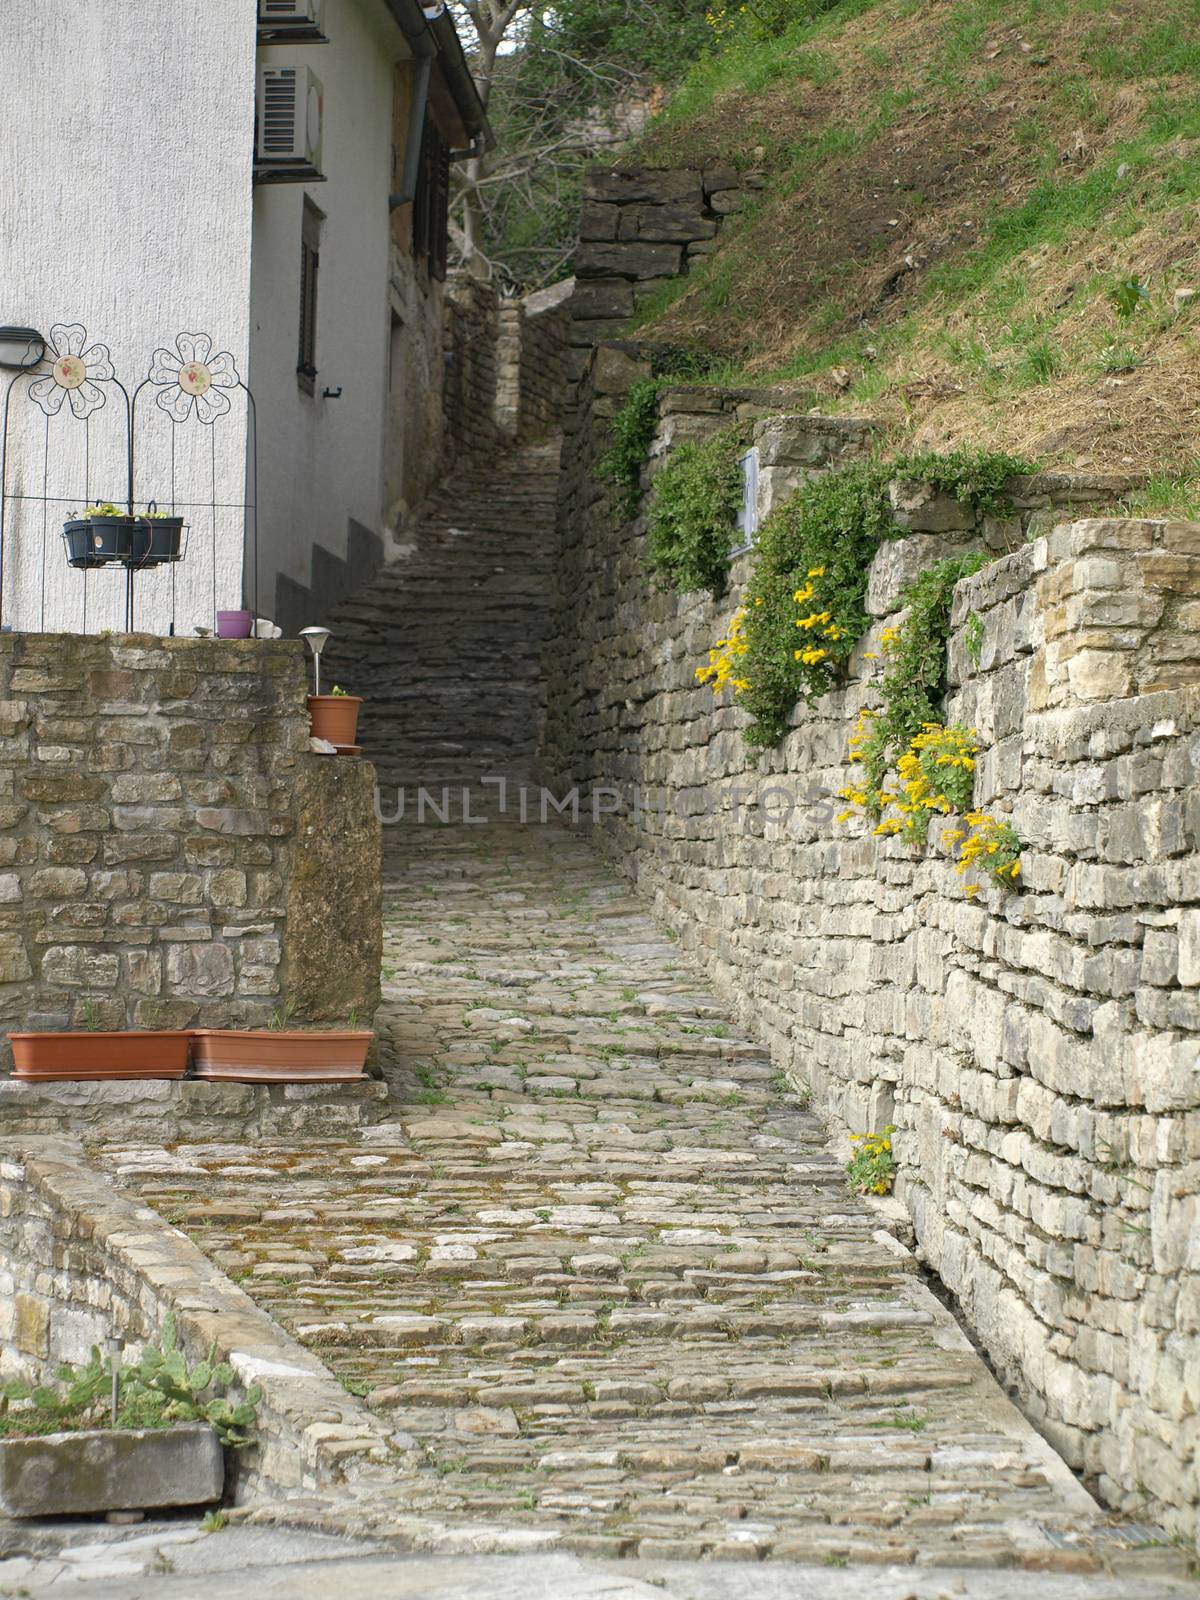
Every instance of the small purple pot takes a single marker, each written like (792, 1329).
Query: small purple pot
(235, 624)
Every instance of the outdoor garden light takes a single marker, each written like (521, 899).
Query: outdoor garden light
(21, 348)
(317, 638)
(113, 1345)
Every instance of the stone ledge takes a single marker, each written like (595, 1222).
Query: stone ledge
(189, 1109)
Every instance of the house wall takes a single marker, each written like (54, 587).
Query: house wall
(326, 466)
(125, 201)
(1039, 1052)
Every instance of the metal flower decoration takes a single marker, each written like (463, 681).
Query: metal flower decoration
(190, 379)
(77, 371)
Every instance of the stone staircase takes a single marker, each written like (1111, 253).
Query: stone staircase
(444, 644)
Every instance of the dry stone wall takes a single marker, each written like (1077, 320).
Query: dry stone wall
(1039, 1052)
(172, 854)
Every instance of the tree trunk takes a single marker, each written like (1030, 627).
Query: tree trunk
(473, 257)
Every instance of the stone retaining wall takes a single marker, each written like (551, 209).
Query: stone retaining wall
(77, 1259)
(1038, 1052)
(172, 853)
(472, 340)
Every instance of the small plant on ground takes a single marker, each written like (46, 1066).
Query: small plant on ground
(693, 509)
(872, 1167)
(1129, 296)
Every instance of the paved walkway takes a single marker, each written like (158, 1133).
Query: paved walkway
(600, 1269)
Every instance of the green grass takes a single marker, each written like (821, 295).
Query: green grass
(1164, 495)
(748, 66)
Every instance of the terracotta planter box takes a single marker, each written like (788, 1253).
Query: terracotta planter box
(268, 1055)
(121, 1469)
(90, 1055)
(335, 717)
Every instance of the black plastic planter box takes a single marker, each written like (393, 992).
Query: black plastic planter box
(96, 541)
(166, 539)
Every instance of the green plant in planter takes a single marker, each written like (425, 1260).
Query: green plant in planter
(104, 508)
(156, 1391)
(280, 1019)
(338, 692)
(162, 1388)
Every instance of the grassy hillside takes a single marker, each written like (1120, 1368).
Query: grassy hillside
(981, 224)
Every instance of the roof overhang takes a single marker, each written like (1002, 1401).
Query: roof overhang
(437, 41)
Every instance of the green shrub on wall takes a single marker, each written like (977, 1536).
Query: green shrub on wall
(632, 435)
(693, 512)
(804, 611)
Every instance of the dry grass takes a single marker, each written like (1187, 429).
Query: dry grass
(953, 192)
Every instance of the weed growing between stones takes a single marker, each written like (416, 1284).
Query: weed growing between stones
(915, 679)
(872, 1167)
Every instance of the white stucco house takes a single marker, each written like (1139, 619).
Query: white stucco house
(222, 240)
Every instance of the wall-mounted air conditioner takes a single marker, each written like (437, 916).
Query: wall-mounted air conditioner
(283, 21)
(292, 13)
(290, 111)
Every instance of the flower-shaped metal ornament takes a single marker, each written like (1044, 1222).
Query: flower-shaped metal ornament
(189, 378)
(78, 370)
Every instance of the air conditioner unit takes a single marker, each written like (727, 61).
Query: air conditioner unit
(290, 106)
(292, 13)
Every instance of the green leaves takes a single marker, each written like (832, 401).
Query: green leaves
(1129, 296)
(812, 561)
(824, 536)
(913, 684)
(631, 437)
(696, 498)
(154, 1392)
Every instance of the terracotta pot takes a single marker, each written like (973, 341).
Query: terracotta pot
(283, 1055)
(100, 1055)
(334, 717)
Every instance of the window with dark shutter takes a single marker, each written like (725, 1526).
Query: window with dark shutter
(310, 261)
(431, 206)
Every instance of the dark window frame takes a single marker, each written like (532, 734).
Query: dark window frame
(431, 204)
(310, 266)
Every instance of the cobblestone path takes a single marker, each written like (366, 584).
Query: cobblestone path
(445, 644)
(600, 1270)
